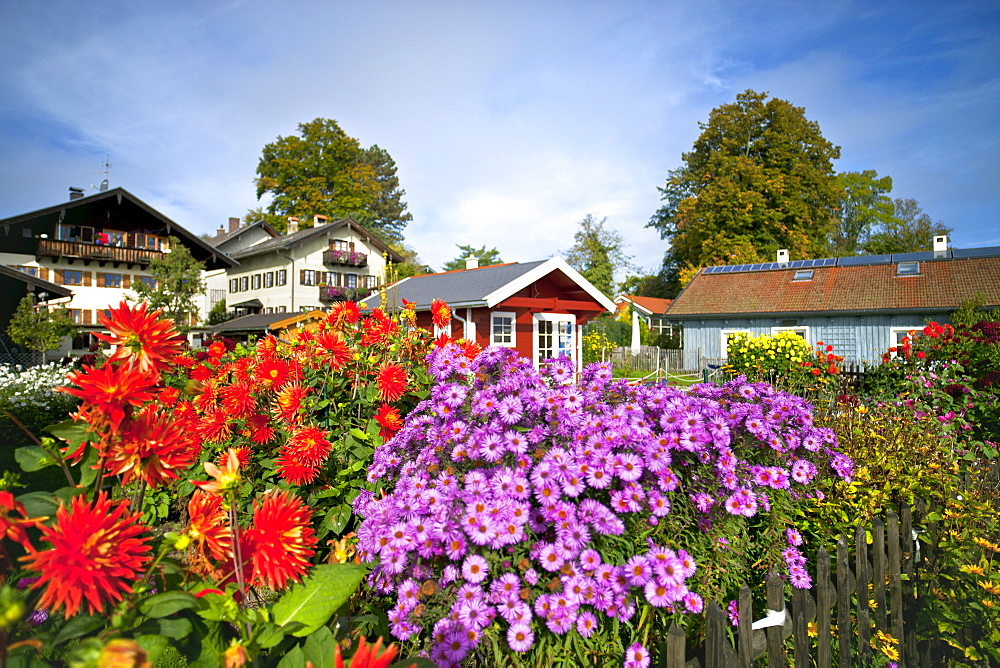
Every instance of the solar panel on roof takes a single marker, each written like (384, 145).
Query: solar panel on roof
(795, 264)
(989, 251)
(829, 262)
(863, 260)
(909, 257)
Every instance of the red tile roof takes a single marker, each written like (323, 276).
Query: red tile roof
(654, 305)
(941, 285)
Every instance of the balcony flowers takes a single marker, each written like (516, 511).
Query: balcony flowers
(336, 293)
(350, 258)
(524, 508)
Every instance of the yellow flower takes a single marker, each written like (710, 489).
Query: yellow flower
(991, 587)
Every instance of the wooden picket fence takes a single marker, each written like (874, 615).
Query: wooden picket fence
(847, 597)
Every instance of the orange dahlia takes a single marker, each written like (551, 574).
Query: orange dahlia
(258, 429)
(238, 399)
(98, 553)
(208, 525)
(309, 445)
(388, 418)
(14, 527)
(273, 373)
(343, 312)
(289, 402)
(281, 540)
(391, 382)
(141, 337)
(153, 447)
(334, 349)
(293, 470)
(440, 313)
(108, 392)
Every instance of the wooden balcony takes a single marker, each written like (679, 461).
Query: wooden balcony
(330, 293)
(71, 250)
(348, 258)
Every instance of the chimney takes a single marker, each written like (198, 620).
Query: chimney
(783, 256)
(221, 231)
(293, 225)
(472, 262)
(234, 224)
(320, 220)
(940, 243)
(75, 193)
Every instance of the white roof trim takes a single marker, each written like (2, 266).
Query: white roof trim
(540, 272)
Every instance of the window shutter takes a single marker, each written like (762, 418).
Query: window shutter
(302, 276)
(58, 275)
(126, 283)
(43, 273)
(87, 316)
(86, 278)
(100, 279)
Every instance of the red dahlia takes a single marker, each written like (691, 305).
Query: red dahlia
(281, 540)
(391, 382)
(153, 447)
(141, 337)
(440, 313)
(109, 391)
(97, 554)
(208, 525)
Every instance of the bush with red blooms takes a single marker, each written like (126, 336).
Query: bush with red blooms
(263, 435)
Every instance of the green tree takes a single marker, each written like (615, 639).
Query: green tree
(177, 282)
(908, 230)
(324, 171)
(759, 177)
(486, 257)
(39, 328)
(597, 253)
(865, 207)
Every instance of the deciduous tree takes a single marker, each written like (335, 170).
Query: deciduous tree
(486, 257)
(38, 328)
(759, 177)
(323, 170)
(908, 230)
(177, 282)
(865, 206)
(598, 253)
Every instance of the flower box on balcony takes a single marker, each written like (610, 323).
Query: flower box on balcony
(349, 258)
(334, 293)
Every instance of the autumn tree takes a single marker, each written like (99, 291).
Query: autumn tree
(908, 230)
(865, 207)
(598, 253)
(759, 177)
(176, 282)
(486, 257)
(323, 170)
(40, 329)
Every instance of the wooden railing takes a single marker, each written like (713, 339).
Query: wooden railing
(348, 258)
(85, 251)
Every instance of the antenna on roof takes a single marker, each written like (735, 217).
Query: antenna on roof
(107, 171)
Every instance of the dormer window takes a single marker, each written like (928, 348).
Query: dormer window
(803, 275)
(908, 269)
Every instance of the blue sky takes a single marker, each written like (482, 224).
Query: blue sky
(509, 121)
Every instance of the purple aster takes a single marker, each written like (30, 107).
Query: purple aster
(474, 568)
(474, 614)
(636, 656)
(793, 537)
(638, 571)
(510, 410)
(520, 637)
(586, 624)
(693, 602)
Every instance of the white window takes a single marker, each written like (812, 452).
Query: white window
(802, 331)
(803, 275)
(897, 334)
(269, 279)
(281, 277)
(554, 335)
(502, 329)
(724, 340)
(244, 283)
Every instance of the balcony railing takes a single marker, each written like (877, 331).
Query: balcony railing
(334, 293)
(349, 258)
(85, 251)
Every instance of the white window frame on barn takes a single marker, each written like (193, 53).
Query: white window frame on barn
(438, 331)
(896, 335)
(565, 337)
(508, 339)
(802, 330)
(724, 340)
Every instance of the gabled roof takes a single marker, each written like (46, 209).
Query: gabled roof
(265, 322)
(220, 239)
(35, 282)
(646, 305)
(941, 285)
(99, 207)
(289, 240)
(484, 286)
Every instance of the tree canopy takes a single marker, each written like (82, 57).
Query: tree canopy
(177, 282)
(486, 257)
(597, 253)
(865, 207)
(908, 230)
(759, 177)
(39, 329)
(322, 170)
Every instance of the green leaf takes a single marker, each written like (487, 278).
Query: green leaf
(293, 659)
(89, 469)
(153, 644)
(319, 647)
(167, 603)
(39, 504)
(358, 434)
(337, 518)
(176, 628)
(418, 661)
(33, 458)
(78, 626)
(314, 601)
(73, 432)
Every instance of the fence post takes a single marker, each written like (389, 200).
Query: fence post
(863, 575)
(825, 594)
(776, 602)
(878, 557)
(676, 653)
(746, 628)
(896, 586)
(715, 636)
(845, 585)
